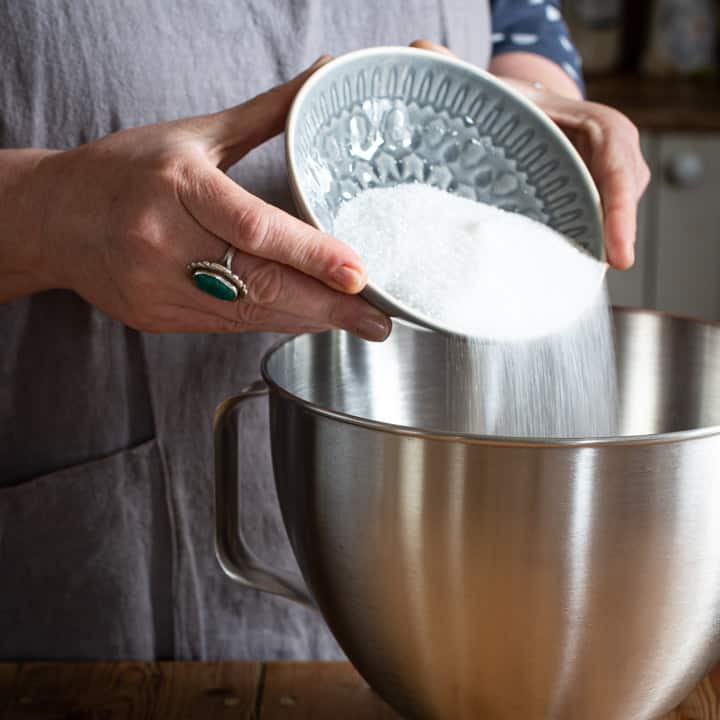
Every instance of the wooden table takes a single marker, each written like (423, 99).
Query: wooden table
(214, 691)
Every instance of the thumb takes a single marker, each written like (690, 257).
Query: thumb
(232, 133)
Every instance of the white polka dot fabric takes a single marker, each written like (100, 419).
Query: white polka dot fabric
(524, 38)
(535, 26)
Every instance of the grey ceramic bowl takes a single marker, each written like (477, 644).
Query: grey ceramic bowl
(388, 115)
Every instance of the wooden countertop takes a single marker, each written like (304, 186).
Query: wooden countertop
(215, 691)
(661, 104)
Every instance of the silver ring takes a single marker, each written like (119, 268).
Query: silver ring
(217, 278)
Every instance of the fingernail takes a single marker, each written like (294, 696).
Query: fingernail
(320, 61)
(630, 260)
(347, 279)
(374, 327)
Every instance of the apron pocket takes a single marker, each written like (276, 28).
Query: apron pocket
(86, 562)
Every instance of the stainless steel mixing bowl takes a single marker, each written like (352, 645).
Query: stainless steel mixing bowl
(472, 578)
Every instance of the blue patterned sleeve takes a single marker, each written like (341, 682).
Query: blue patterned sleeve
(535, 26)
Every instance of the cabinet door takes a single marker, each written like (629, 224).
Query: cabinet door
(687, 214)
(631, 288)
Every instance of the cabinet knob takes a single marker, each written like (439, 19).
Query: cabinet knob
(685, 169)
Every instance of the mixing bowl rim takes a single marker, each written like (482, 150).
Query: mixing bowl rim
(372, 293)
(491, 440)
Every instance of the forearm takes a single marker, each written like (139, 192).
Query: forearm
(531, 68)
(25, 190)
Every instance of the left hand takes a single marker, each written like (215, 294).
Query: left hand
(610, 146)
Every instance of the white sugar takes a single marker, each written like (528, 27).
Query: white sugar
(471, 268)
(534, 354)
(560, 385)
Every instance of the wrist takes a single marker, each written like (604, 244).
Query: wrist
(24, 207)
(54, 204)
(56, 190)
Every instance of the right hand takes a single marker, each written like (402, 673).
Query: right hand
(129, 211)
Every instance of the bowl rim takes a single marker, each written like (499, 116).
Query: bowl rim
(372, 293)
(493, 440)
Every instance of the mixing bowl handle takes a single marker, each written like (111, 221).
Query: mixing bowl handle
(235, 557)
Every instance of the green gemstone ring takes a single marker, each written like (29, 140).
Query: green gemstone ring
(217, 278)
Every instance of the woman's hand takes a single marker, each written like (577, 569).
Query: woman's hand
(126, 214)
(606, 140)
(610, 146)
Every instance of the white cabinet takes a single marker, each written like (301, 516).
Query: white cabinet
(678, 258)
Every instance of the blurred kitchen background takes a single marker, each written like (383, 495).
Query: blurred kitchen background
(659, 62)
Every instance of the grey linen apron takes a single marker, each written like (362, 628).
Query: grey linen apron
(106, 492)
